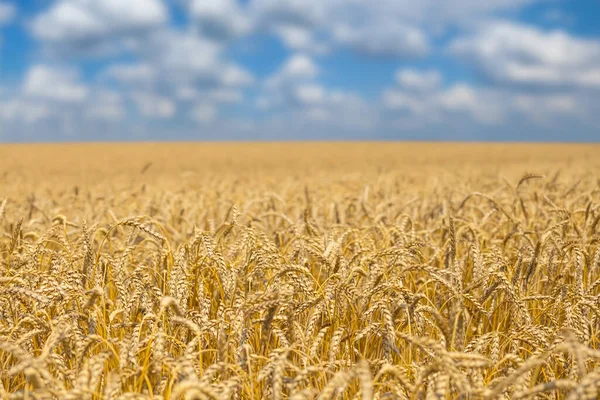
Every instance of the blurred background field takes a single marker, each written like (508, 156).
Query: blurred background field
(36, 165)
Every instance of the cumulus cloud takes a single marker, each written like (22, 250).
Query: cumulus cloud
(412, 79)
(133, 74)
(360, 27)
(292, 84)
(543, 109)
(107, 105)
(383, 39)
(226, 95)
(220, 19)
(180, 58)
(482, 106)
(293, 92)
(96, 26)
(233, 75)
(397, 100)
(377, 28)
(179, 67)
(465, 98)
(430, 13)
(263, 103)
(54, 83)
(296, 68)
(7, 13)
(30, 107)
(152, 105)
(299, 38)
(189, 67)
(74, 20)
(299, 65)
(184, 54)
(23, 110)
(204, 112)
(517, 54)
(488, 106)
(309, 94)
(324, 107)
(300, 24)
(309, 13)
(222, 95)
(176, 68)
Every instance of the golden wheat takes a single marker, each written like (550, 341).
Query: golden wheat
(300, 271)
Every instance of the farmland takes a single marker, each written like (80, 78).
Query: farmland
(299, 271)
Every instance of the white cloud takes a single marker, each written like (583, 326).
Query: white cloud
(204, 112)
(340, 97)
(422, 81)
(401, 101)
(22, 110)
(459, 97)
(55, 97)
(378, 28)
(336, 109)
(534, 75)
(185, 57)
(299, 38)
(54, 83)
(291, 12)
(309, 94)
(365, 27)
(317, 114)
(7, 13)
(484, 107)
(462, 97)
(107, 105)
(499, 107)
(295, 37)
(292, 94)
(184, 66)
(72, 21)
(109, 112)
(232, 75)
(220, 19)
(180, 66)
(383, 39)
(522, 55)
(297, 67)
(292, 84)
(263, 103)
(183, 53)
(223, 95)
(138, 73)
(542, 109)
(154, 106)
(186, 93)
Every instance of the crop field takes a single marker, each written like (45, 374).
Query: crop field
(300, 271)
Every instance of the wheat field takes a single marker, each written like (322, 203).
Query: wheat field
(300, 271)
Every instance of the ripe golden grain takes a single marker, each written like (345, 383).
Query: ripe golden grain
(300, 271)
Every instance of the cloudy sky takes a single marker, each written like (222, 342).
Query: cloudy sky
(299, 69)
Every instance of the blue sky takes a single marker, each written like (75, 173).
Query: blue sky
(502, 70)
